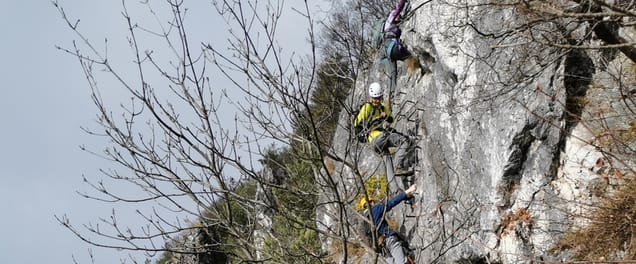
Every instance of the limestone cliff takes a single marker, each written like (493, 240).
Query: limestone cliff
(503, 163)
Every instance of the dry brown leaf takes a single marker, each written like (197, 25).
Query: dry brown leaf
(618, 174)
(438, 208)
(523, 215)
(600, 162)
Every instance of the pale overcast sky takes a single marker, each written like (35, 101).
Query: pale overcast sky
(45, 102)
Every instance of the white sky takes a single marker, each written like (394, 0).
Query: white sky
(44, 103)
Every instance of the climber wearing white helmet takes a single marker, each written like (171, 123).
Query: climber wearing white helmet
(375, 118)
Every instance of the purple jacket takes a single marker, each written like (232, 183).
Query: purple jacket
(391, 29)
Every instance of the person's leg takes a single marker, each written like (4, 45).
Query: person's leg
(393, 184)
(409, 158)
(399, 52)
(403, 145)
(396, 252)
(381, 146)
(391, 65)
(402, 53)
(392, 71)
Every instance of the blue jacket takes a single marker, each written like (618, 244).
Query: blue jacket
(377, 211)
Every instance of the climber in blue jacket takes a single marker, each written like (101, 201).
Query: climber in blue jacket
(393, 250)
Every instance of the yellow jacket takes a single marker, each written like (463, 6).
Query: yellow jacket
(370, 117)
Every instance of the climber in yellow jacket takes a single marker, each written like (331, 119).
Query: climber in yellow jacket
(375, 117)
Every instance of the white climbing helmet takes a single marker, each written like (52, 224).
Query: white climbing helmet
(375, 90)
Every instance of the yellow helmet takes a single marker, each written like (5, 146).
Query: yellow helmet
(363, 202)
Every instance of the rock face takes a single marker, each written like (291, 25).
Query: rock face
(503, 165)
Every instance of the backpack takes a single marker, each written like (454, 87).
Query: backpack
(377, 38)
(361, 131)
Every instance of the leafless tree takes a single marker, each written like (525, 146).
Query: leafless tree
(176, 143)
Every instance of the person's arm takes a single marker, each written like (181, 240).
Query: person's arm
(363, 114)
(394, 13)
(400, 197)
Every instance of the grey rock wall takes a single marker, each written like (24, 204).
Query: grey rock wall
(502, 168)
